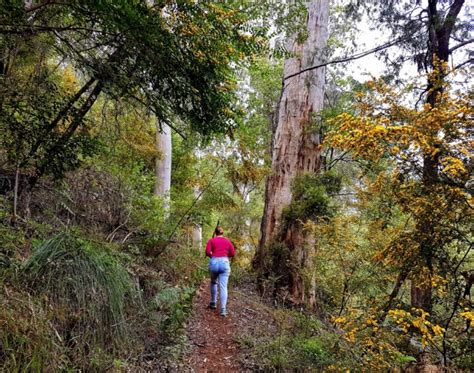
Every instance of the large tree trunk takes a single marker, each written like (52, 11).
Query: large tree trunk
(163, 164)
(296, 146)
(299, 280)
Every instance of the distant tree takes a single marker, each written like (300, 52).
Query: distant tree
(163, 163)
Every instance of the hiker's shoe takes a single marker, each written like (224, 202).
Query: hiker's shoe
(223, 312)
(212, 305)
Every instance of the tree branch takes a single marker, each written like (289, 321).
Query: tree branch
(348, 58)
(32, 29)
(42, 5)
(334, 161)
(60, 116)
(470, 60)
(451, 50)
(68, 133)
(396, 289)
(452, 15)
(153, 110)
(38, 6)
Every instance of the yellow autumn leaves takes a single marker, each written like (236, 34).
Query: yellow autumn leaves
(419, 320)
(419, 204)
(382, 125)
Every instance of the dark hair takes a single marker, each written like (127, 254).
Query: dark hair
(219, 231)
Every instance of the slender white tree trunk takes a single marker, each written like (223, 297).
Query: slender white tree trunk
(15, 194)
(163, 163)
(197, 228)
(296, 145)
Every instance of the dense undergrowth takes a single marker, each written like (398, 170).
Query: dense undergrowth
(72, 298)
(79, 292)
(77, 305)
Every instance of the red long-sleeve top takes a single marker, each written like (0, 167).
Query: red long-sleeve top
(219, 247)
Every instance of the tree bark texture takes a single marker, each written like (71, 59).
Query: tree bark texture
(295, 148)
(296, 144)
(163, 164)
(301, 281)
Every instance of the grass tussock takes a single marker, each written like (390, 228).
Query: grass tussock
(88, 287)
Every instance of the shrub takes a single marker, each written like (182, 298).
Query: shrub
(312, 197)
(174, 303)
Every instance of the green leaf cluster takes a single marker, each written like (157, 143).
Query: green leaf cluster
(312, 197)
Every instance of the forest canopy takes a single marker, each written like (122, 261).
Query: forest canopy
(332, 142)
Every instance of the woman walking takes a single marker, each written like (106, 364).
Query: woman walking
(219, 249)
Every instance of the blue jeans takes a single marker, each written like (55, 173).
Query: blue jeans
(220, 272)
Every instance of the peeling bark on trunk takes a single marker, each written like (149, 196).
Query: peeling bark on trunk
(295, 145)
(163, 164)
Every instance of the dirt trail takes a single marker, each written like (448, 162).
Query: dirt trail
(214, 339)
(212, 336)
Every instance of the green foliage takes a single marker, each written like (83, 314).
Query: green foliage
(88, 287)
(402, 360)
(27, 109)
(74, 305)
(168, 291)
(174, 304)
(176, 59)
(11, 244)
(160, 50)
(312, 197)
(313, 352)
(299, 343)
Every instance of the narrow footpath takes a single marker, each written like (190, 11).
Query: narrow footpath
(214, 339)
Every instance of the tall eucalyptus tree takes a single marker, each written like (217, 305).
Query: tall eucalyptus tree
(295, 150)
